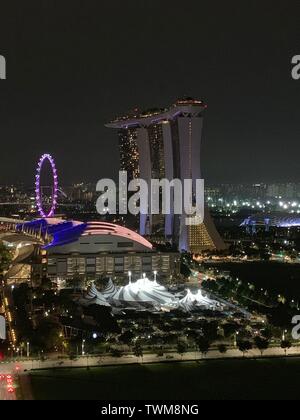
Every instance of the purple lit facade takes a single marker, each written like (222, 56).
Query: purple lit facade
(38, 192)
(275, 219)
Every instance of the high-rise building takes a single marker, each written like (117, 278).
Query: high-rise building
(129, 154)
(166, 144)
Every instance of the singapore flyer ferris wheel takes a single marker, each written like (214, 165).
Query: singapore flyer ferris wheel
(46, 205)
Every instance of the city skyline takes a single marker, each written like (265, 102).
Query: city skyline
(62, 87)
(149, 203)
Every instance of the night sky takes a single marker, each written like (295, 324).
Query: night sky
(73, 65)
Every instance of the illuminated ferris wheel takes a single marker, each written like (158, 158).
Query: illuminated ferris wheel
(46, 205)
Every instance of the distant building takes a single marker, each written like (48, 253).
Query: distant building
(285, 190)
(165, 143)
(129, 155)
(273, 219)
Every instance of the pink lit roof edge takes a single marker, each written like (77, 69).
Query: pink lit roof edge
(117, 231)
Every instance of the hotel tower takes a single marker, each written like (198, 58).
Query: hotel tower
(165, 143)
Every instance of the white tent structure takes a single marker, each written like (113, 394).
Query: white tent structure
(197, 301)
(93, 297)
(143, 292)
(110, 289)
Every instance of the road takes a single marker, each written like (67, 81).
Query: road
(7, 385)
(85, 361)
(21, 368)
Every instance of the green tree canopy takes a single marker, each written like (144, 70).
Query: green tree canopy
(126, 337)
(48, 335)
(5, 259)
(285, 345)
(222, 348)
(203, 344)
(138, 350)
(244, 346)
(261, 343)
(181, 347)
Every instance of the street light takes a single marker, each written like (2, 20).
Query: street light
(284, 332)
(27, 348)
(82, 347)
(235, 338)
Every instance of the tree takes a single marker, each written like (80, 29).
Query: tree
(185, 270)
(103, 317)
(160, 353)
(138, 351)
(285, 345)
(48, 335)
(244, 346)
(280, 316)
(181, 348)
(5, 259)
(203, 345)
(126, 337)
(74, 282)
(210, 330)
(268, 332)
(265, 255)
(116, 352)
(230, 328)
(261, 343)
(222, 348)
(46, 283)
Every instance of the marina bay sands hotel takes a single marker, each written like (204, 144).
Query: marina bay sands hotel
(165, 143)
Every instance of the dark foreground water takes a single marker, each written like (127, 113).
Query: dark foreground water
(224, 379)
